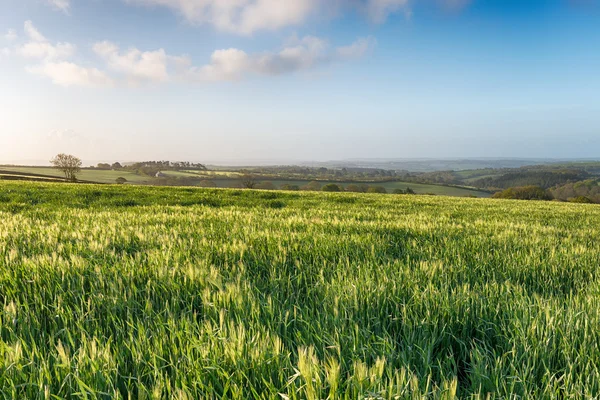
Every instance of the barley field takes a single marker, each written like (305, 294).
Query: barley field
(112, 292)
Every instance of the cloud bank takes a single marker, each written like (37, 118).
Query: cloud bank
(135, 67)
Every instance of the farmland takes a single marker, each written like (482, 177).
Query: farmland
(152, 292)
(93, 175)
(230, 179)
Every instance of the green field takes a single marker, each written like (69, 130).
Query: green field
(94, 175)
(148, 293)
(419, 188)
(104, 176)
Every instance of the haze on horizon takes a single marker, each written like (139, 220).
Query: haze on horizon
(303, 80)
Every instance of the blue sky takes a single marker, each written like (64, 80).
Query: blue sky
(294, 80)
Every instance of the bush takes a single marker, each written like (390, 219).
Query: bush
(331, 187)
(524, 193)
(581, 199)
(376, 189)
(120, 180)
(289, 187)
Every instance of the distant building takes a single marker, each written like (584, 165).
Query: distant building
(160, 175)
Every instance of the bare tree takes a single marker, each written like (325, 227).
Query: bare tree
(68, 164)
(249, 181)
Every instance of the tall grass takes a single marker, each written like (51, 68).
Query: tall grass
(150, 293)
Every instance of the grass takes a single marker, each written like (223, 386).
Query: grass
(94, 175)
(145, 292)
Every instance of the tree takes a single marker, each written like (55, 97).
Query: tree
(399, 191)
(409, 191)
(120, 180)
(103, 166)
(68, 164)
(249, 181)
(524, 193)
(331, 187)
(116, 165)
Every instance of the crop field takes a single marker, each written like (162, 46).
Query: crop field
(132, 292)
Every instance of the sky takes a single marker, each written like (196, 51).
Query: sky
(222, 81)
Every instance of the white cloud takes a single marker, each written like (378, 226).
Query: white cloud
(54, 62)
(39, 47)
(139, 65)
(357, 49)
(135, 66)
(379, 10)
(62, 5)
(11, 35)
(249, 16)
(69, 74)
(47, 51)
(299, 55)
(5, 52)
(226, 64)
(32, 32)
(240, 16)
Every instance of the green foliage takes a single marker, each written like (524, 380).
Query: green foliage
(524, 193)
(152, 292)
(410, 191)
(581, 199)
(331, 187)
(526, 177)
(289, 187)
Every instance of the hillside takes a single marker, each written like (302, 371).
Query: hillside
(153, 292)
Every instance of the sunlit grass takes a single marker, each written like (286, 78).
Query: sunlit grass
(139, 292)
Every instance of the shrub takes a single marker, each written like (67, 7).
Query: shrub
(581, 199)
(331, 187)
(289, 187)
